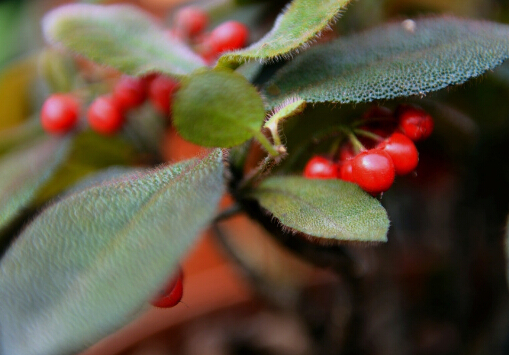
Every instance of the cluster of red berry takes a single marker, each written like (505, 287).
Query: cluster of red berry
(106, 114)
(190, 24)
(385, 148)
(171, 294)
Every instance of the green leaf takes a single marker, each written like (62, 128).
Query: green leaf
(217, 108)
(119, 36)
(20, 134)
(399, 59)
(330, 209)
(89, 263)
(87, 153)
(301, 22)
(23, 172)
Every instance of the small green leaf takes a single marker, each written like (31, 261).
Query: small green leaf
(330, 209)
(399, 59)
(301, 22)
(119, 36)
(217, 108)
(89, 263)
(23, 173)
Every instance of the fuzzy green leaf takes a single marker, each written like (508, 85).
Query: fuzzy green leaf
(301, 22)
(399, 59)
(119, 36)
(217, 108)
(23, 172)
(89, 263)
(330, 209)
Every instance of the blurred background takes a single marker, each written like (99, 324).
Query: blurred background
(437, 287)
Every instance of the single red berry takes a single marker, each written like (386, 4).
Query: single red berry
(160, 92)
(171, 294)
(104, 115)
(59, 113)
(129, 92)
(346, 151)
(415, 123)
(403, 152)
(190, 21)
(346, 171)
(373, 170)
(228, 36)
(320, 168)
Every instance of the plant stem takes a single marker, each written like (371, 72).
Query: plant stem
(260, 137)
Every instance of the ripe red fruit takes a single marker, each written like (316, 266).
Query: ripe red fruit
(320, 168)
(228, 36)
(403, 152)
(346, 171)
(373, 170)
(129, 92)
(160, 92)
(171, 294)
(415, 123)
(190, 21)
(59, 113)
(104, 115)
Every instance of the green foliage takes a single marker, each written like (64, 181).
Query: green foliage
(88, 263)
(399, 59)
(300, 23)
(329, 209)
(119, 36)
(23, 172)
(217, 108)
(87, 153)
(20, 134)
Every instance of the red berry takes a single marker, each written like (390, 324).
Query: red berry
(160, 93)
(190, 21)
(59, 113)
(346, 171)
(129, 92)
(415, 123)
(402, 151)
(171, 294)
(346, 151)
(228, 36)
(373, 170)
(104, 115)
(320, 168)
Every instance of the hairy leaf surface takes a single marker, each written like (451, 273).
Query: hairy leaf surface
(23, 172)
(89, 263)
(331, 209)
(119, 36)
(399, 59)
(300, 23)
(217, 108)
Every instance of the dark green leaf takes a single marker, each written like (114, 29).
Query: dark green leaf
(301, 22)
(399, 59)
(23, 173)
(119, 36)
(217, 108)
(331, 209)
(89, 263)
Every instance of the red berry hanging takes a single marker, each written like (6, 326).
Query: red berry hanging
(160, 93)
(320, 168)
(172, 292)
(415, 123)
(228, 36)
(345, 171)
(59, 113)
(373, 170)
(129, 92)
(104, 115)
(190, 21)
(402, 151)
